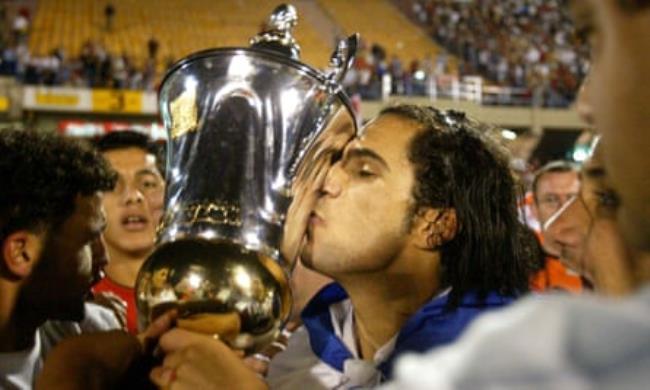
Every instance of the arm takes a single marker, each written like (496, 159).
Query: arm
(99, 360)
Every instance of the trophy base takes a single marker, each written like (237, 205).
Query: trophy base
(218, 288)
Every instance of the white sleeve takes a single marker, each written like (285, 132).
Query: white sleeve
(96, 319)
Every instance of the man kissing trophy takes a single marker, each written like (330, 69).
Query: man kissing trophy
(251, 132)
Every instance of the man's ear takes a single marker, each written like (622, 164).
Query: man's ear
(21, 251)
(434, 227)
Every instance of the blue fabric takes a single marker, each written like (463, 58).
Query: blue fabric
(431, 326)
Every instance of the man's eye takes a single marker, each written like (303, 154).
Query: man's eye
(608, 199)
(365, 173)
(584, 33)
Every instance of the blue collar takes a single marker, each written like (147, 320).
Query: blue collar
(431, 326)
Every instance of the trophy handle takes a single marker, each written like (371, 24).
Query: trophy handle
(342, 59)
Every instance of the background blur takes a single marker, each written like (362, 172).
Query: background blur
(86, 67)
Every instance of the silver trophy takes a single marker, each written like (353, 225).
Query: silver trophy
(251, 132)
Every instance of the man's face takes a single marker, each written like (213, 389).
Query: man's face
(587, 233)
(131, 220)
(619, 93)
(65, 271)
(360, 222)
(553, 190)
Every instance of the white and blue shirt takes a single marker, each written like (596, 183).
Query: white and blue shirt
(324, 354)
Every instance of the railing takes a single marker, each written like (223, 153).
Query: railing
(469, 88)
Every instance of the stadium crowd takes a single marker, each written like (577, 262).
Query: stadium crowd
(528, 44)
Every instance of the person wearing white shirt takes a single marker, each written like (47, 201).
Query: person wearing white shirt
(51, 222)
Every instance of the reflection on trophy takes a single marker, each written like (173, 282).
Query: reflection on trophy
(251, 132)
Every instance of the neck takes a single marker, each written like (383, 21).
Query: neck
(123, 267)
(383, 301)
(17, 329)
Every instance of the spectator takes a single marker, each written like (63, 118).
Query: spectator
(131, 218)
(50, 231)
(109, 16)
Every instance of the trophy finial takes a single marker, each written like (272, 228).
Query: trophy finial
(277, 36)
(283, 18)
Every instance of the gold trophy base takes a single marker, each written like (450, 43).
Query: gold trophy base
(218, 288)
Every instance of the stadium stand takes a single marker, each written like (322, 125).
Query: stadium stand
(179, 27)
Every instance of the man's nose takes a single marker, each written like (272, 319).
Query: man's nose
(570, 222)
(133, 194)
(332, 185)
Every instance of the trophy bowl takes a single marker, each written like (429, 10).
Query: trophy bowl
(251, 132)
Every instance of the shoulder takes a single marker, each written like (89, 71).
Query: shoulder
(299, 368)
(96, 319)
(18, 369)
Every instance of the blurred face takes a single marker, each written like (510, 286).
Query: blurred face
(619, 96)
(130, 206)
(587, 233)
(360, 222)
(554, 189)
(65, 271)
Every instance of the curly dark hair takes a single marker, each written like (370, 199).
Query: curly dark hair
(458, 165)
(42, 175)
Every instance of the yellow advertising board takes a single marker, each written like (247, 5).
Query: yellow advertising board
(49, 98)
(116, 101)
(4, 103)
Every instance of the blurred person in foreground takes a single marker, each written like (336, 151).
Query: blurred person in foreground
(553, 185)
(133, 210)
(589, 342)
(589, 238)
(51, 221)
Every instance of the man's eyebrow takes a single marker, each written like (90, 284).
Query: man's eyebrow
(147, 171)
(366, 153)
(594, 172)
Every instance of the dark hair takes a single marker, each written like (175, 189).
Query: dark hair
(458, 166)
(124, 139)
(557, 166)
(42, 173)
